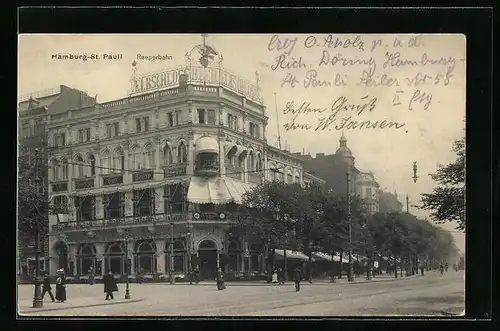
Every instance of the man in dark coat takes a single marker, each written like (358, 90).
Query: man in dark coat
(47, 288)
(297, 278)
(220, 280)
(109, 285)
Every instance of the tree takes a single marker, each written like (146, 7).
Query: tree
(447, 200)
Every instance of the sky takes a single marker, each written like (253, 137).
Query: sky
(407, 85)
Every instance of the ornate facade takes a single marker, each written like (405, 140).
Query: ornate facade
(148, 182)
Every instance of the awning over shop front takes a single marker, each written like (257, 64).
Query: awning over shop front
(208, 190)
(328, 257)
(237, 188)
(294, 255)
(120, 188)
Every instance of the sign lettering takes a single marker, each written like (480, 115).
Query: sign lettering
(112, 180)
(85, 183)
(141, 176)
(196, 74)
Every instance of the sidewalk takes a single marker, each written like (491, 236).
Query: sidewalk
(25, 307)
(317, 281)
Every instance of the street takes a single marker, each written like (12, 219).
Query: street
(432, 294)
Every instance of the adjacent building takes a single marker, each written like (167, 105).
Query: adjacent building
(334, 168)
(388, 203)
(149, 181)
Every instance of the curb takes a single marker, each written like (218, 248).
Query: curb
(32, 310)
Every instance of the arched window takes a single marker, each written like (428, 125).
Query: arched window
(251, 161)
(167, 155)
(149, 156)
(179, 257)
(118, 160)
(54, 165)
(105, 162)
(64, 167)
(181, 153)
(86, 259)
(115, 259)
(145, 258)
(91, 162)
(259, 163)
(78, 166)
(136, 158)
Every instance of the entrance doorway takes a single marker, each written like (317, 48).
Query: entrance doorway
(61, 253)
(207, 251)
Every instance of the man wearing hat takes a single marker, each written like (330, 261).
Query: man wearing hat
(109, 285)
(46, 287)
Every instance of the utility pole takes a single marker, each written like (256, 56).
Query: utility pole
(37, 299)
(349, 222)
(407, 204)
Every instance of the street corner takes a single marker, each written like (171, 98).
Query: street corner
(25, 310)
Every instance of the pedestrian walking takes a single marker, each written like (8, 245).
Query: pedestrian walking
(61, 286)
(220, 280)
(274, 278)
(298, 277)
(281, 276)
(196, 275)
(91, 276)
(441, 268)
(446, 267)
(109, 285)
(47, 288)
(422, 270)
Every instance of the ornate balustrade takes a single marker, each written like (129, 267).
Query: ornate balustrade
(118, 222)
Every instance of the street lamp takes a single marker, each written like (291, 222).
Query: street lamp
(188, 243)
(127, 290)
(349, 222)
(37, 299)
(171, 260)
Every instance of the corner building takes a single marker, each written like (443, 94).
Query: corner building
(149, 181)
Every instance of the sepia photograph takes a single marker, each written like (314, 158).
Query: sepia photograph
(241, 175)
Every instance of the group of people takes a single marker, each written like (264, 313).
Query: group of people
(60, 287)
(278, 277)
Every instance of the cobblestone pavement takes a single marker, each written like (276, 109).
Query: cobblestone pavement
(432, 294)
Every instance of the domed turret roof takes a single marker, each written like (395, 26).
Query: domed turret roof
(207, 145)
(343, 150)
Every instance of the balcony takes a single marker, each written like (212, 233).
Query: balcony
(207, 168)
(60, 186)
(175, 170)
(118, 222)
(83, 183)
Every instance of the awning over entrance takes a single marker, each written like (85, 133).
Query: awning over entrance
(236, 149)
(123, 188)
(328, 257)
(236, 188)
(208, 190)
(292, 255)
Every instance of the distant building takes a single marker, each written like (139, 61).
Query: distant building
(333, 169)
(35, 111)
(388, 203)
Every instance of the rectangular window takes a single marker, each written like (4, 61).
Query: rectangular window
(114, 205)
(369, 194)
(116, 127)
(138, 125)
(142, 124)
(174, 198)
(25, 130)
(108, 131)
(63, 139)
(201, 116)
(232, 122)
(85, 210)
(87, 134)
(144, 202)
(177, 117)
(61, 204)
(170, 119)
(254, 130)
(211, 116)
(146, 123)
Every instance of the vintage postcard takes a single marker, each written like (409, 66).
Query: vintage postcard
(241, 175)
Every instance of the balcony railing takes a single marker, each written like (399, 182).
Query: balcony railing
(207, 168)
(118, 222)
(175, 170)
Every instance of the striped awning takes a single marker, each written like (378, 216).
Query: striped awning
(328, 257)
(208, 190)
(237, 188)
(125, 188)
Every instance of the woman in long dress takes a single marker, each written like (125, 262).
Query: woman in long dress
(220, 280)
(61, 286)
(274, 278)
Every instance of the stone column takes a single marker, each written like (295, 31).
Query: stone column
(190, 149)
(160, 255)
(246, 168)
(99, 207)
(72, 250)
(70, 172)
(192, 112)
(157, 175)
(99, 248)
(97, 157)
(159, 205)
(129, 207)
(266, 167)
(127, 174)
(157, 118)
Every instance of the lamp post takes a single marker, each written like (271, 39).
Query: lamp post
(37, 299)
(349, 222)
(171, 260)
(127, 290)
(188, 243)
